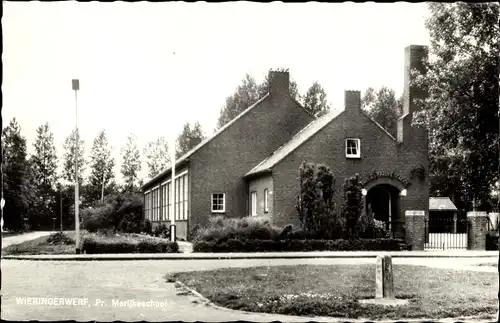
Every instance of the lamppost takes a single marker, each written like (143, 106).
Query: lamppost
(54, 224)
(76, 86)
(60, 205)
(172, 195)
(172, 218)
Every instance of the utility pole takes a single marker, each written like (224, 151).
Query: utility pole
(103, 177)
(60, 205)
(76, 87)
(172, 218)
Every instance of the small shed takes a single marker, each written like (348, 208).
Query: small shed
(443, 216)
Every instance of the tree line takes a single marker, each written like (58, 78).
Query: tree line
(36, 193)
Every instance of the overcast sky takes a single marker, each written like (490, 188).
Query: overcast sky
(130, 81)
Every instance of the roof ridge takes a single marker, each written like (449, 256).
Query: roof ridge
(330, 116)
(378, 124)
(204, 142)
(277, 149)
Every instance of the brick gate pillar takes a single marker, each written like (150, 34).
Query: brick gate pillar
(415, 229)
(476, 231)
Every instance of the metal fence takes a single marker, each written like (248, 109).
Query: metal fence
(446, 233)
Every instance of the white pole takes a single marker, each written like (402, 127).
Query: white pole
(76, 86)
(172, 213)
(172, 193)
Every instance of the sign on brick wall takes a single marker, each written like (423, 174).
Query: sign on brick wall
(392, 175)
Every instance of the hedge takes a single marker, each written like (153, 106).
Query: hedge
(99, 245)
(240, 245)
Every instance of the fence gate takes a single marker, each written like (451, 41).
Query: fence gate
(442, 233)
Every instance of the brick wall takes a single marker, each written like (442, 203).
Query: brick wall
(476, 233)
(379, 152)
(219, 166)
(259, 185)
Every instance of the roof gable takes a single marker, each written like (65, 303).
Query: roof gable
(185, 157)
(301, 137)
(296, 141)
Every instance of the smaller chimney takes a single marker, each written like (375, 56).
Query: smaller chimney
(352, 100)
(279, 82)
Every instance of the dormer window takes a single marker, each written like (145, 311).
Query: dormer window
(352, 148)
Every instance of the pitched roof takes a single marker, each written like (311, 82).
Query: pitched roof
(297, 140)
(441, 204)
(378, 125)
(184, 157)
(301, 137)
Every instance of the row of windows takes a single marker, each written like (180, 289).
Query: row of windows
(157, 202)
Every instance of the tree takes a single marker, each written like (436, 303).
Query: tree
(353, 204)
(18, 193)
(247, 94)
(383, 107)
(244, 96)
(461, 111)
(131, 164)
(189, 138)
(316, 202)
(101, 177)
(315, 100)
(157, 156)
(68, 171)
(44, 166)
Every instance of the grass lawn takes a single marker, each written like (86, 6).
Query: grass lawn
(41, 246)
(334, 290)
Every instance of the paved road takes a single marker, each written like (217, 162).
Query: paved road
(144, 280)
(23, 237)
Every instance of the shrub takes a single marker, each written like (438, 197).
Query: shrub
(60, 238)
(222, 229)
(242, 245)
(161, 230)
(353, 204)
(315, 204)
(119, 212)
(96, 243)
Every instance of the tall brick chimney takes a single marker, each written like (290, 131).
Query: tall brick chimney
(414, 57)
(352, 100)
(279, 82)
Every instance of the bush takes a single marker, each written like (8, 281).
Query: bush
(221, 229)
(162, 231)
(99, 244)
(242, 245)
(60, 238)
(315, 204)
(119, 212)
(492, 240)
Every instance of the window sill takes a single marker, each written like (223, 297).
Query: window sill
(218, 212)
(353, 157)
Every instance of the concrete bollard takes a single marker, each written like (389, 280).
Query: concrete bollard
(384, 285)
(383, 278)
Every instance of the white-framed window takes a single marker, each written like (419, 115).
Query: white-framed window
(219, 202)
(253, 205)
(266, 200)
(352, 148)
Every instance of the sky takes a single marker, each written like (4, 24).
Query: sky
(131, 82)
